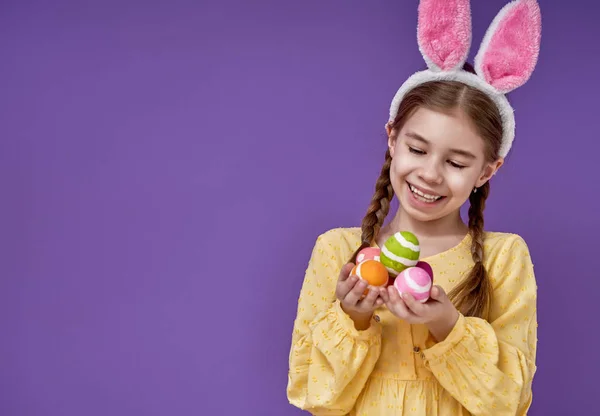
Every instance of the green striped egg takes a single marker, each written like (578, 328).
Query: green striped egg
(399, 252)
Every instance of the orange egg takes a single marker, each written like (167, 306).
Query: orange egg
(373, 272)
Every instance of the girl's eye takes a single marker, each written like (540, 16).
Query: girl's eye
(421, 152)
(456, 165)
(415, 151)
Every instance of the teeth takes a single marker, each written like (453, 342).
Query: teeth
(426, 197)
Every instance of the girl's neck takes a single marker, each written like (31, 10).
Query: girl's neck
(450, 228)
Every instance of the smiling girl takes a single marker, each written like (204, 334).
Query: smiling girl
(471, 348)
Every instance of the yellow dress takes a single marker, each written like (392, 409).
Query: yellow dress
(394, 368)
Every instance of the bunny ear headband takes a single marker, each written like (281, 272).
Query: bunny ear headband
(505, 60)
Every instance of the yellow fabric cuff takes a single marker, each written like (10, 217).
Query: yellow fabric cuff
(435, 351)
(341, 318)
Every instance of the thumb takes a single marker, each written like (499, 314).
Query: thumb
(437, 293)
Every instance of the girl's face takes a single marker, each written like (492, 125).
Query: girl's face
(437, 160)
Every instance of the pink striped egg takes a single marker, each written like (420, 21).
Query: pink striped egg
(416, 281)
(368, 253)
(425, 266)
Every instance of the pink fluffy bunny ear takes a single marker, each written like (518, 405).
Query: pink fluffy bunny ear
(510, 48)
(444, 33)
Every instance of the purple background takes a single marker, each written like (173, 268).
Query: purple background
(167, 167)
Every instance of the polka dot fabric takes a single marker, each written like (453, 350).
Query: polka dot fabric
(482, 367)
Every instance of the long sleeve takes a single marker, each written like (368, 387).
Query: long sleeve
(330, 361)
(489, 366)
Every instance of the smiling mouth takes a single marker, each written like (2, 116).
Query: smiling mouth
(422, 196)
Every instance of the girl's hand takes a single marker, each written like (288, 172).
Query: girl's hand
(349, 291)
(438, 313)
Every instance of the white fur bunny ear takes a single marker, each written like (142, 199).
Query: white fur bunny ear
(510, 48)
(444, 33)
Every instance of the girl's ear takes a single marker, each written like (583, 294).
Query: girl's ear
(388, 128)
(391, 139)
(392, 145)
(489, 170)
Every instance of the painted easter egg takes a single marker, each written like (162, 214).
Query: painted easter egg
(371, 271)
(416, 281)
(400, 251)
(368, 253)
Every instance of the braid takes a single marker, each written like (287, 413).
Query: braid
(473, 295)
(477, 200)
(379, 208)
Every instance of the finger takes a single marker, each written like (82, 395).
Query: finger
(356, 293)
(413, 305)
(379, 302)
(345, 272)
(369, 301)
(385, 297)
(397, 304)
(393, 295)
(344, 287)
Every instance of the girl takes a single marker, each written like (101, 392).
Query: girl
(471, 348)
